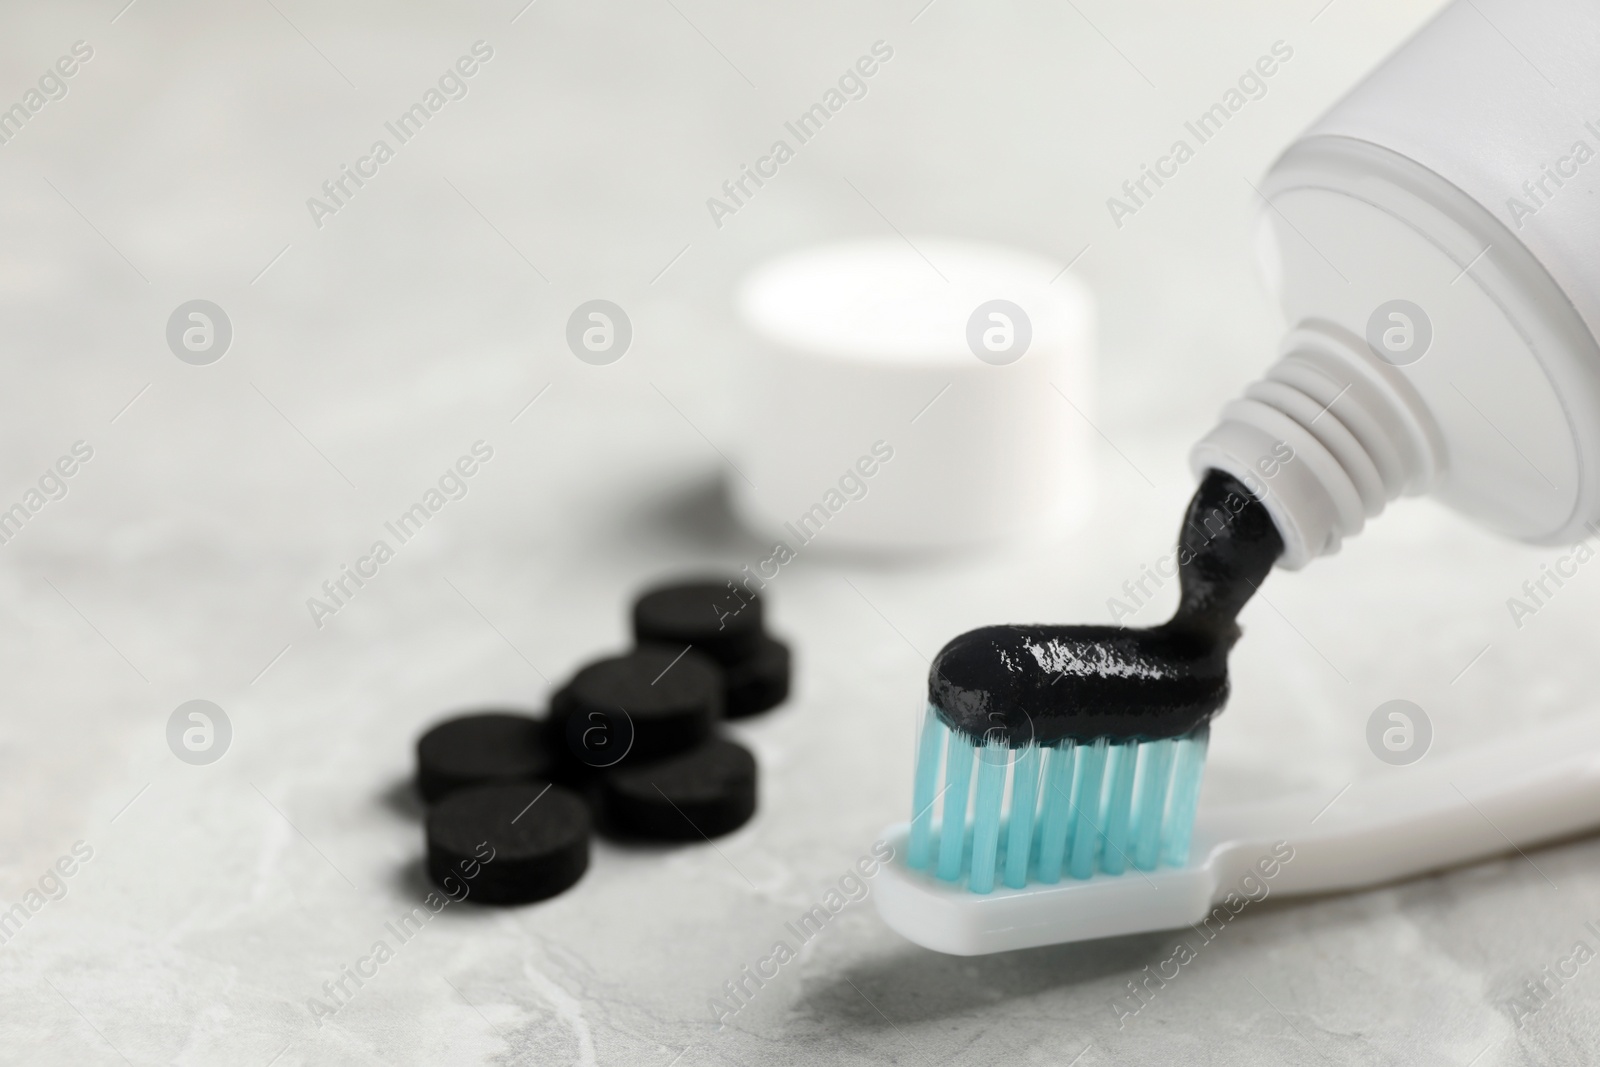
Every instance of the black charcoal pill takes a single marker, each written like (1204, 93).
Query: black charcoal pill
(471, 750)
(757, 682)
(705, 792)
(508, 844)
(650, 703)
(721, 619)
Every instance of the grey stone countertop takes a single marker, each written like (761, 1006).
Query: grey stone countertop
(207, 905)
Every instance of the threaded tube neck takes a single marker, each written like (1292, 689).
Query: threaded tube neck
(1325, 441)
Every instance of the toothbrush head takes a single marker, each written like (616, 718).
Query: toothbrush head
(1046, 803)
(1079, 749)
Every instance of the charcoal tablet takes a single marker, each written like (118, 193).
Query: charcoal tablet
(508, 844)
(719, 618)
(650, 703)
(759, 681)
(470, 750)
(705, 792)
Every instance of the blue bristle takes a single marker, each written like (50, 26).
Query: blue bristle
(957, 780)
(1074, 808)
(1090, 774)
(919, 849)
(1119, 807)
(1055, 811)
(1024, 797)
(1150, 801)
(993, 760)
(1185, 797)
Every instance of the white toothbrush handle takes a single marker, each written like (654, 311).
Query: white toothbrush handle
(1539, 785)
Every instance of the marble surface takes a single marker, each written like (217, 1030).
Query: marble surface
(370, 353)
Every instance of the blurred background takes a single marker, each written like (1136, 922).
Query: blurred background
(429, 312)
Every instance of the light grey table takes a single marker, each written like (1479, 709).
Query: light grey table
(424, 315)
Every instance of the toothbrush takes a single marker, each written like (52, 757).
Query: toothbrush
(1539, 786)
(1058, 775)
(1097, 733)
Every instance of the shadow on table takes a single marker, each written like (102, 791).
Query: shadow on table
(402, 799)
(410, 879)
(695, 515)
(699, 515)
(915, 984)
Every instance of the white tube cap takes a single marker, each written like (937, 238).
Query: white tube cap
(913, 396)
